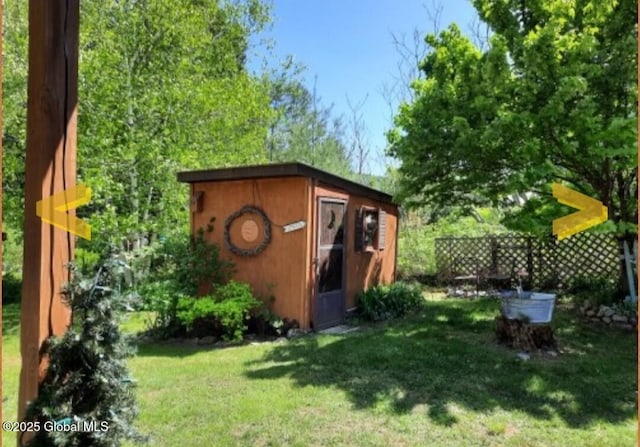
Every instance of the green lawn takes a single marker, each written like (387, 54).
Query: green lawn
(435, 379)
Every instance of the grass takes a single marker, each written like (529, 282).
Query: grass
(434, 379)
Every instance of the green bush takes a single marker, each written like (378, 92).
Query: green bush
(420, 228)
(86, 260)
(225, 312)
(189, 263)
(87, 374)
(11, 289)
(191, 310)
(595, 289)
(266, 322)
(383, 302)
(178, 267)
(12, 255)
(161, 298)
(416, 251)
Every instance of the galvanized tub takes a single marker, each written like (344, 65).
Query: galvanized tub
(536, 307)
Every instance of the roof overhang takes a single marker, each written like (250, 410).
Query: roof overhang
(283, 170)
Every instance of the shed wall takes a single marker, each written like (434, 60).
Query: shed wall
(365, 269)
(281, 269)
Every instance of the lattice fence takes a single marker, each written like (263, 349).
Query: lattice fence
(549, 263)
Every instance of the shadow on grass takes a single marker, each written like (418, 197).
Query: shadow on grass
(447, 356)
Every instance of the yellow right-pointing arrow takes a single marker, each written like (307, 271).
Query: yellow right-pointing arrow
(592, 212)
(53, 210)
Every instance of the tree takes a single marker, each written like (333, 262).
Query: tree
(87, 386)
(290, 101)
(163, 86)
(359, 146)
(552, 99)
(304, 130)
(14, 116)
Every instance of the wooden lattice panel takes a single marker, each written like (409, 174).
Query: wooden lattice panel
(462, 256)
(587, 255)
(550, 264)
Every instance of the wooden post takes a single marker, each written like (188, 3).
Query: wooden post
(3, 236)
(530, 260)
(50, 168)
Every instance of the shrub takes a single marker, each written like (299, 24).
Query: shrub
(420, 228)
(383, 302)
(178, 268)
(161, 298)
(190, 263)
(595, 289)
(11, 288)
(626, 308)
(225, 312)
(86, 261)
(416, 251)
(87, 376)
(198, 315)
(12, 255)
(265, 322)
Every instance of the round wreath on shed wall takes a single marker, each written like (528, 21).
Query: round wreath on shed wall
(266, 237)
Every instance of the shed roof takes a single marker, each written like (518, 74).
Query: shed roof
(283, 170)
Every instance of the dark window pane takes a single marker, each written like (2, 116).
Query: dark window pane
(330, 271)
(331, 223)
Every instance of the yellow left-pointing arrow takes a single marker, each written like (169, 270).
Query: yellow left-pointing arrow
(592, 212)
(53, 210)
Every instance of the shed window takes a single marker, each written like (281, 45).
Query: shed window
(370, 229)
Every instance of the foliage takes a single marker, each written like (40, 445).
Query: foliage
(265, 321)
(87, 378)
(12, 251)
(14, 117)
(552, 99)
(303, 130)
(595, 289)
(228, 308)
(162, 87)
(159, 297)
(181, 266)
(626, 308)
(139, 59)
(384, 302)
(86, 261)
(11, 288)
(420, 228)
(197, 264)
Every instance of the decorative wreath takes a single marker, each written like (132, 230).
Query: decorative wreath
(266, 239)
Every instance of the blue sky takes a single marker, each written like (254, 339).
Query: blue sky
(346, 45)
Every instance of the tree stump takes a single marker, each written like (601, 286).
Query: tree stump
(519, 334)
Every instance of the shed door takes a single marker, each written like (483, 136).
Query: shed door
(329, 306)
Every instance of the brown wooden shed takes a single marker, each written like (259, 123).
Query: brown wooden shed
(311, 239)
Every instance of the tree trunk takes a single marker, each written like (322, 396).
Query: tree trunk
(525, 336)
